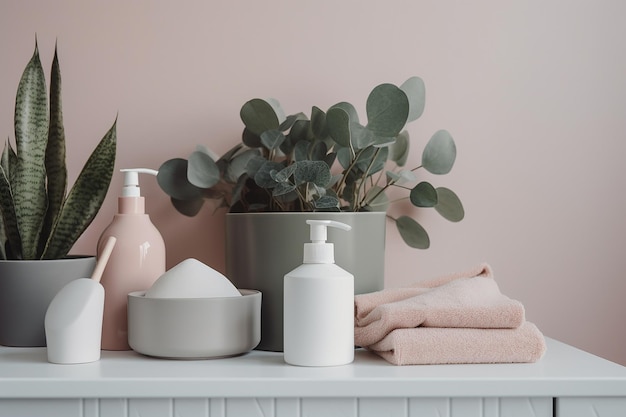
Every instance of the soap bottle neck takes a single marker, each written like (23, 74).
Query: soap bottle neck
(131, 205)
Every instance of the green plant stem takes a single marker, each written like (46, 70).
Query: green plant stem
(362, 184)
(347, 171)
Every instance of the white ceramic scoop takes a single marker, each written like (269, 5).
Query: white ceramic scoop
(73, 321)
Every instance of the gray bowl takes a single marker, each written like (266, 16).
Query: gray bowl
(194, 328)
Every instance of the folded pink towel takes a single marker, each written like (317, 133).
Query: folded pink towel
(365, 303)
(428, 345)
(458, 302)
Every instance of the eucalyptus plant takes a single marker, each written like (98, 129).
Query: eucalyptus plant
(40, 219)
(328, 161)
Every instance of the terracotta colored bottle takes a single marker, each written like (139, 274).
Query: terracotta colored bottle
(138, 260)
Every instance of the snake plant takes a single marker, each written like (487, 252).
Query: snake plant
(40, 219)
(330, 161)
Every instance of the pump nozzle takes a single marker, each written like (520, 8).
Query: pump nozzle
(131, 180)
(318, 251)
(318, 229)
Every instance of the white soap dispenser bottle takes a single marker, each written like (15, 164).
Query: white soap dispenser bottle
(137, 261)
(319, 305)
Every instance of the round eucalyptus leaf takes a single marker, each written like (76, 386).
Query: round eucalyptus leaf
(338, 122)
(416, 92)
(400, 149)
(172, 178)
(439, 153)
(379, 200)
(290, 121)
(251, 140)
(301, 151)
(301, 130)
(205, 149)
(188, 207)
(254, 164)
(202, 171)
(326, 202)
(258, 116)
(401, 177)
(316, 172)
(284, 174)
(372, 160)
(263, 176)
(412, 233)
(449, 205)
(283, 188)
(348, 108)
(387, 110)
(318, 123)
(344, 156)
(318, 151)
(362, 137)
(423, 195)
(272, 139)
(278, 110)
(237, 166)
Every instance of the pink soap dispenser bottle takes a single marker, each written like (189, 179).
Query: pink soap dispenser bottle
(138, 259)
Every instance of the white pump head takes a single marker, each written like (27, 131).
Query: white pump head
(318, 251)
(131, 180)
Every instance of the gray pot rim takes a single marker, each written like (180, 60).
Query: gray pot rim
(68, 258)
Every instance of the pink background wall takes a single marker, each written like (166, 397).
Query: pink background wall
(534, 93)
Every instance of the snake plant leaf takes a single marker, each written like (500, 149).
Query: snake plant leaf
(387, 110)
(188, 207)
(85, 197)
(412, 233)
(399, 150)
(31, 137)
(316, 172)
(55, 151)
(7, 214)
(449, 205)
(258, 116)
(272, 139)
(202, 171)
(416, 92)
(338, 122)
(423, 195)
(439, 153)
(172, 178)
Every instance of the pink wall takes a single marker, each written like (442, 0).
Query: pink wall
(534, 93)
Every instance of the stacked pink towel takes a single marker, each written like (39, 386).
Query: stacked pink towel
(458, 318)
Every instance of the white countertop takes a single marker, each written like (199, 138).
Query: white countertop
(563, 371)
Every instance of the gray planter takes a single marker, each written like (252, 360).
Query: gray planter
(26, 289)
(262, 247)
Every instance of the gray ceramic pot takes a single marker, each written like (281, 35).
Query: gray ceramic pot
(26, 289)
(262, 247)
